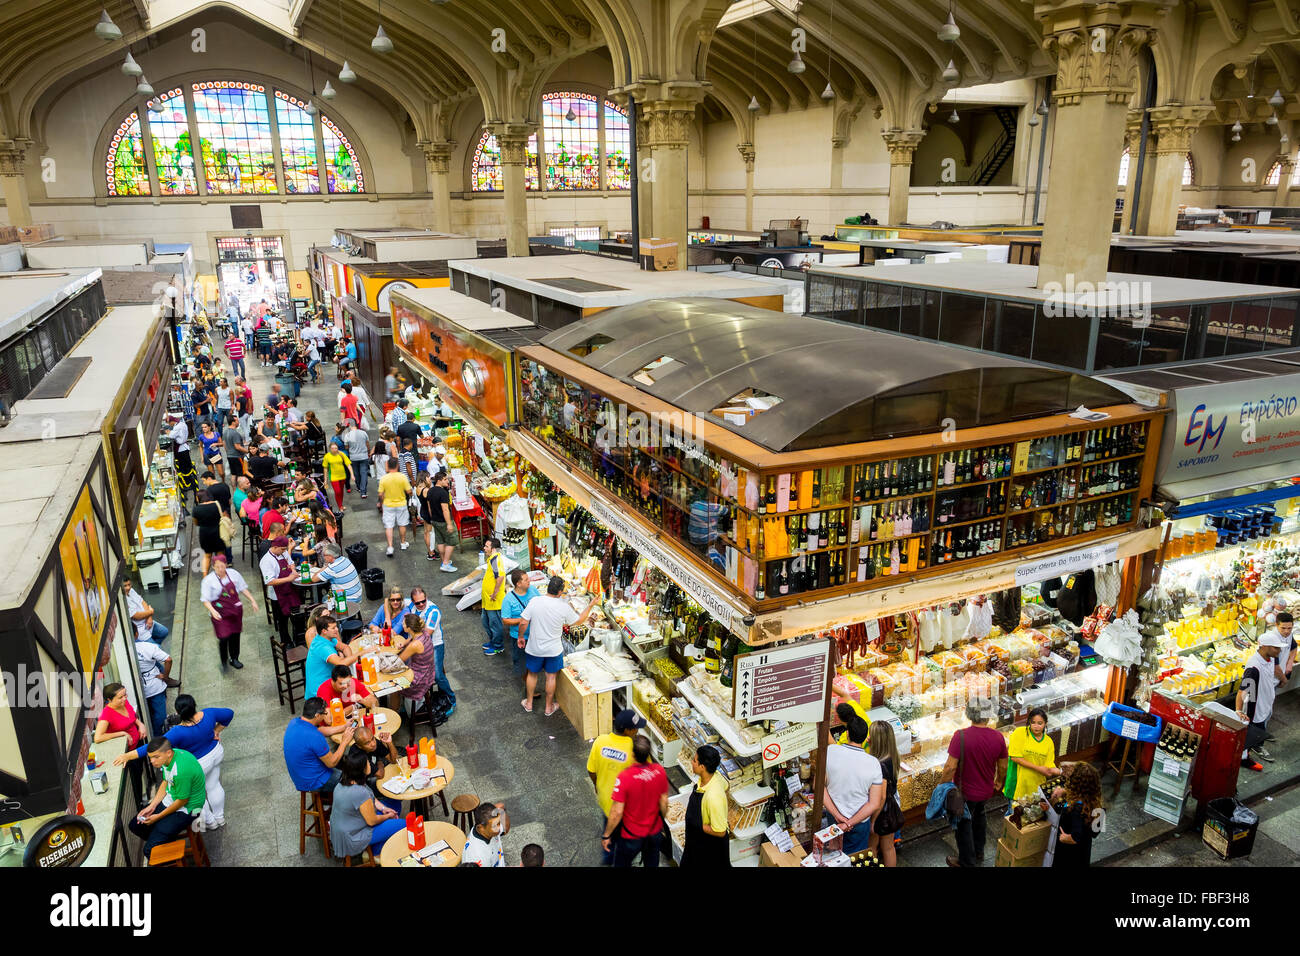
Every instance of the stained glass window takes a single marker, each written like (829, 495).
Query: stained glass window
(237, 145)
(341, 163)
(618, 149)
(297, 144)
(173, 153)
(235, 135)
(125, 168)
(1125, 160)
(570, 129)
(485, 170)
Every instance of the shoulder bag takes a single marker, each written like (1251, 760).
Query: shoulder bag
(889, 819)
(956, 802)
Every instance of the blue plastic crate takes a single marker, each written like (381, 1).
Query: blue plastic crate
(1116, 715)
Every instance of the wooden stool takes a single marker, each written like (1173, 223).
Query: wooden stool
(187, 851)
(290, 662)
(1122, 767)
(367, 858)
(198, 850)
(464, 807)
(313, 821)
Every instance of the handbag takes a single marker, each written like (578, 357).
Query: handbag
(226, 528)
(890, 818)
(955, 804)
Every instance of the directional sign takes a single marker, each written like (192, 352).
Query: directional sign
(783, 683)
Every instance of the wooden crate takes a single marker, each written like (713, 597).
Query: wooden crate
(590, 714)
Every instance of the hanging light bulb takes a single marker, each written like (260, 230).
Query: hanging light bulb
(1276, 99)
(1236, 127)
(346, 75)
(796, 66)
(327, 92)
(828, 93)
(381, 43)
(130, 67)
(1236, 137)
(1033, 118)
(950, 74)
(949, 32)
(1283, 139)
(106, 29)
(154, 107)
(311, 108)
(1043, 108)
(1272, 119)
(954, 118)
(753, 106)
(143, 87)
(570, 116)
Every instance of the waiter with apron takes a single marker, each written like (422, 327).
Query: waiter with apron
(279, 574)
(220, 592)
(706, 843)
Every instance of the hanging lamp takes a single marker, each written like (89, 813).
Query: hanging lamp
(143, 87)
(953, 118)
(1033, 118)
(828, 93)
(950, 74)
(327, 91)
(950, 32)
(1043, 108)
(753, 106)
(106, 29)
(1276, 99)
(346, 75)
(130, 67)
(381, 43)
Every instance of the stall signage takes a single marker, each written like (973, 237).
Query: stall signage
(1129, 729)
(63, 841)
(1059, 564)
(1231, 426)
(658, 555)
(783, 683)
(794, 741)
(470, 367)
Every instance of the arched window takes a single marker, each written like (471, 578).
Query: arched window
(485, 172)
(1124, 161)
(127, 174)
(618, 149)
(238, 134)
(574, 160)
(1275, 175)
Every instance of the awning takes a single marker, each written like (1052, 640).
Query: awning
(1224, 485)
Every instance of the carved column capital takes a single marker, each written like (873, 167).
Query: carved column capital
(1174, 126)
(437, 155)
(13, 156)
(512, 140)
(746, 151)
(668, 122)
(902, 144)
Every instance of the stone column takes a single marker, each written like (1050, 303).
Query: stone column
(13, 181)
(669, 122)
(746, 151)
(1285, 172)
(1133, 140)
(437, 160)
(512, 138)
(1173, 127)
(1097, 49)
(645, 184)
(902, 145)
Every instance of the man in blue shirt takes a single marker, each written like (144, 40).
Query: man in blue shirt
(512, 610)
(312, 764)
(428, 612)
(340, 573)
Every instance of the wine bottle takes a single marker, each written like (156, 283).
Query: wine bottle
(760, 593)
(823, 532)
(817, 488)
(782, 581)
(770, 504)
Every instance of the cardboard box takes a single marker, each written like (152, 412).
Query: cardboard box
(771, 856)
(661, 254)
(1029, 840)
(1007, 858)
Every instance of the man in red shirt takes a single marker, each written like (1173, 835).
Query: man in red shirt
(640, 802)
(235, 350)
(349, 404)
(346, 688)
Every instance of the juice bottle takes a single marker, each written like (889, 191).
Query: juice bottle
(424, 752)
(336, 712)
(410, 831)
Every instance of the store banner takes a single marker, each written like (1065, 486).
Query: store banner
(84, 580)
(1059, 564)
(1231, 426)
(658, 555)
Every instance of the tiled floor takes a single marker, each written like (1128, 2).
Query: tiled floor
(535, 764)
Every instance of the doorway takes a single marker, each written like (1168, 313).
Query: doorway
(251, 268)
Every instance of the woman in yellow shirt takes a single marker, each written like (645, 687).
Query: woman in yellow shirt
(337, 467)
(1033, 755)
(847, 710)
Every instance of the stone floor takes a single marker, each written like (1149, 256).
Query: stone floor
(535, 764)
(1135, 838)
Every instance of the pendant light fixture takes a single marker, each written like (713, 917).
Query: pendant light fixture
(753, 106)
(311, 78)
(106, 29)
(154, 107)
(950, 32)
(1283, 139)
(1043, 108)
(327, 91)
(143, 87)
(346, 75)
(1236, 137)
(381, 43)
(570, 116)
(953, 117)
(1272, 119)
(1033, 118)
(1236, 127)
(796, 66)
(950, 74)
(130, 67)
(311, 108)
(828, 94)
(1276, 99)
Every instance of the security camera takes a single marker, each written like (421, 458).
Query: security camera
(748, 620)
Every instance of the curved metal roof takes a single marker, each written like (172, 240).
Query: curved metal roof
(837, 383)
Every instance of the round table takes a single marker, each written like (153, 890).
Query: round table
(312, 591)
(395, 849)
(391, 723)
(433, 789)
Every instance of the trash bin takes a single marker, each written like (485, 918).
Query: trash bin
(357, 555)
(1230, 828)
(373, 579)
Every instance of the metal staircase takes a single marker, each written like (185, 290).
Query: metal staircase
(987, 169)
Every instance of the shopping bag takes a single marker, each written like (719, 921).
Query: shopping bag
(1009, 788)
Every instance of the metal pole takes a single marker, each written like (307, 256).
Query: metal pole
(1042, 152)
(823, 741)
(1136, 178)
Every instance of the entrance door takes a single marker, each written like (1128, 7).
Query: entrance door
(252, 268)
